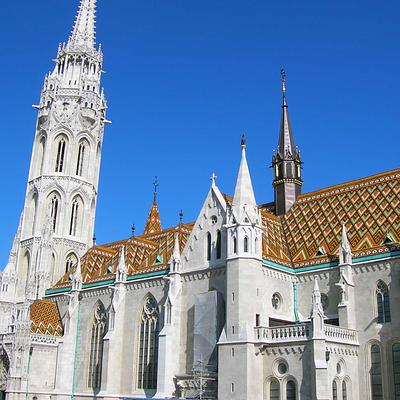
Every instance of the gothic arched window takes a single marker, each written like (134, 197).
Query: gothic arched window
(382, 299)
(274, 390)
(81, 160)
(234, 245)
(246, 244)
(344, 390)
(98, 330)
(148, 345)
(41, 154)
(208, 250)
(376, 373)
(290, 390)
(70, 261)
(55, 204)
(396, 370)
(334, 390)
(218, 244)
(76, 213)
(60, 159)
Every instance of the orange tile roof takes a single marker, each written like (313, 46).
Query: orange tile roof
(369, 207)
(153, 223)
(45, 318)
(145, 253)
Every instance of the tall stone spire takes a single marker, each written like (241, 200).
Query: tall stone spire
(153, 223)
(83, 32)
(244, 194)
(286, 161)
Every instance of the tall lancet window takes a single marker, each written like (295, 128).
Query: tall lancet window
(376, 373)
(246, 244)
(81, 159)
(148, 345)
(99, 327)
(74, 217)
(208, 249)
(219, 244)
(383, 304)
(60, 159)
(54, 211)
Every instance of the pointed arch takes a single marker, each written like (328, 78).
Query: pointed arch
(234, 245)
(60, 155)
(70, 260)
(76, 216)
(97, 332)
(219, 244)
(383, 302)
(246, 244)
(208, 246)
(147, 362)
(23, 272)
(82, 160)
(54, 199)
(376, 372)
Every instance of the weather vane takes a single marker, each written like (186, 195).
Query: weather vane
(156, 185)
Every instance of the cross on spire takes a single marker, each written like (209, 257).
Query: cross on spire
(213, 179)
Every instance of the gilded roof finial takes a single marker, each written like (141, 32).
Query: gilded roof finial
(156, 185)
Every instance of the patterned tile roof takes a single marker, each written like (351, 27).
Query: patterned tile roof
(45, 318)
(153, 223)
(146, 253)
(310, 232)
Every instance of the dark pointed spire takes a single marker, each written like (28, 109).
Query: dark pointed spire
(286, 161)
(286, 141)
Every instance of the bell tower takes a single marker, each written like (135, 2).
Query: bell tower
(58, 218)
(286, 162)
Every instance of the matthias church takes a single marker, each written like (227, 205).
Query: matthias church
(293, 299)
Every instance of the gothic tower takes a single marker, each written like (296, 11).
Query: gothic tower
(58, 218)
(286, 162)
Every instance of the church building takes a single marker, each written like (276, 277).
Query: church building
(289, 300)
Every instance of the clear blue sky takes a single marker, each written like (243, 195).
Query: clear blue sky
(185, 78)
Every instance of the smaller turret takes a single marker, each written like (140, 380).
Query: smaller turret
(286, 162)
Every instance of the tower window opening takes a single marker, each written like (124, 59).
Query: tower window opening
(60, 155)
(234, 245)
(246, 244)
(81, 157)
(54, 212)
(74, 218)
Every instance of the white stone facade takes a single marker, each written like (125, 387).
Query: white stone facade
(221, 320)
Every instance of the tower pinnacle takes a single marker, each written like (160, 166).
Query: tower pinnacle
(83, 32)
(286, 161)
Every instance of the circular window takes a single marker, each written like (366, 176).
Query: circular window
(338, 368)
(324, 301)
(282, 368)
(276, 301)
(214, 219)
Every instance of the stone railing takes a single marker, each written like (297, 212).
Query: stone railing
(280, 334)
(303, 332)
(340, 335)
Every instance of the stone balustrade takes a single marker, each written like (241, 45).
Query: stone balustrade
(340, 335)
(280, 334)
(303, 332)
